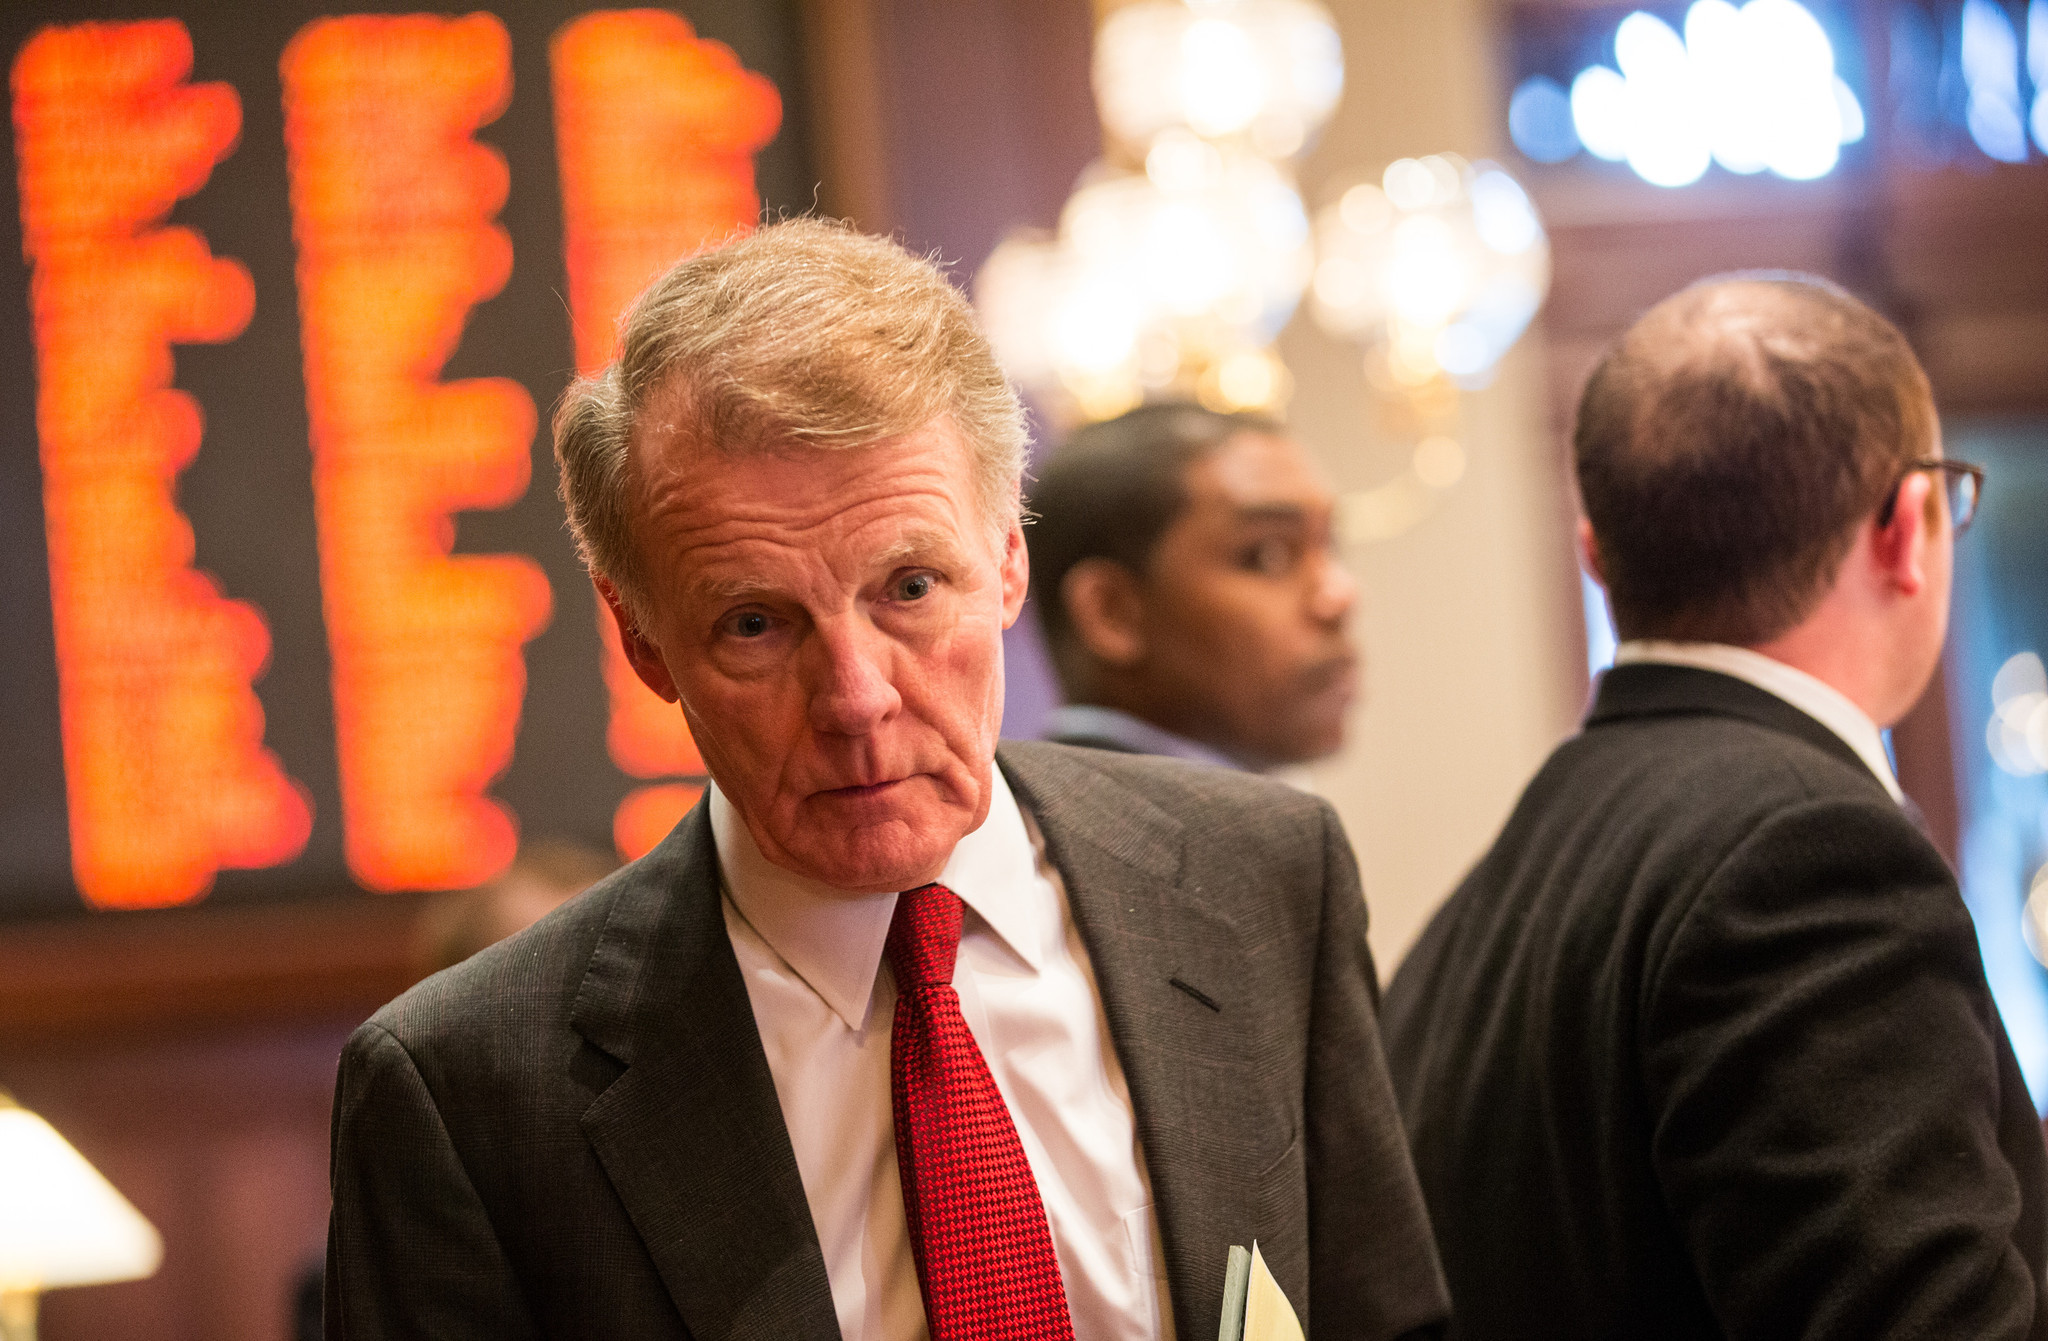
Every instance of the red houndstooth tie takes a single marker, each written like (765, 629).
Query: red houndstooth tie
(977, 1227)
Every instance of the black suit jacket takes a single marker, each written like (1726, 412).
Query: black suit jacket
(1703, 1048)
(575, 1133)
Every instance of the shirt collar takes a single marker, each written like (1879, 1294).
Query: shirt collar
(1091, 720)
(1816, 698)
(834, 940)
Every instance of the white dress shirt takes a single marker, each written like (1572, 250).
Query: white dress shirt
(814, 968)
(1816, 698)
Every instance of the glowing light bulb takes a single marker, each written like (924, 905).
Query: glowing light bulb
(1249, 379)
(1365, 208)
(1752, 88)
(1540, 120)
(1431, 276)
(1270, 70)
(1668, 142)
(1445, 281)
(1991, 72)
(1221, 85)
(1409, 184)
(1502, 213)
(1647, 49)
(2017, 734)
(1600, 112)
(1179, 160)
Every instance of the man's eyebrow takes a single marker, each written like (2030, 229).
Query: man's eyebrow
(918, 545)
(927, 545)
(731, 588)
(1262, 512)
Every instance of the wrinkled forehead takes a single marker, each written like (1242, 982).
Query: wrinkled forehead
(917, 483)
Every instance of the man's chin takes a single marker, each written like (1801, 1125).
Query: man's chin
(1307, 742)
(870, 851)
(856, 871)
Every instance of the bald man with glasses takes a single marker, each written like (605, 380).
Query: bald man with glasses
(1703, 1046)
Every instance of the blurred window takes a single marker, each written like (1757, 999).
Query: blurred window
(1676, 91)
(1998, 713)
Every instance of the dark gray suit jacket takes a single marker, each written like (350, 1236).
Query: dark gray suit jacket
(575, 1133)
(1703, 1048)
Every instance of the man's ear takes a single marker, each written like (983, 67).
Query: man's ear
(1900, 546)
(643, 655)
(1589, 552)
(1106, 610)
(1016, 573)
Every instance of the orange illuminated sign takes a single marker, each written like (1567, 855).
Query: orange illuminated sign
(394, 206)
(392, 203)
(166, 774)
(655, 133)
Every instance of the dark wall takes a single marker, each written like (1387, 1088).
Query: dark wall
(989, 118)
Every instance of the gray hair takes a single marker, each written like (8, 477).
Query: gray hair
(803, 332)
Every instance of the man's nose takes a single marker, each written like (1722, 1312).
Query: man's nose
(851, 689)
(1333, 590)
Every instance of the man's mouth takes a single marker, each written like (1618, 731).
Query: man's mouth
(862, 791)
(1338, 672)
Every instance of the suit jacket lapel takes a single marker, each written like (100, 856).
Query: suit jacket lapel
(1179, 1052)
(691, 1134)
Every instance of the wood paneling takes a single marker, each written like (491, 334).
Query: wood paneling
(190, 1056)
(119, 977)
(219, 1137)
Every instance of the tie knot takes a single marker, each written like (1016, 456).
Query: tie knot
(924, 937)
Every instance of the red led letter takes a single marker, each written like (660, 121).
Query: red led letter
(166, 774)
(655, 132)
(392, 203)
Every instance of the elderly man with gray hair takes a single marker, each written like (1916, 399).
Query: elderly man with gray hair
(898, 1033)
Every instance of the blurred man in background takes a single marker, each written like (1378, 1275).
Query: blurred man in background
(1186, 577)
(1703, 1046)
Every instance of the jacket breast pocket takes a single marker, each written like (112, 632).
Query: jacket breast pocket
(1280, 1218)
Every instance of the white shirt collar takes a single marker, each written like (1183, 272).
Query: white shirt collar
(1816, 698)
(833, 940)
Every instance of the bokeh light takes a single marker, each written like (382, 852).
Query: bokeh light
(1993, 114)
(1179, 269)
(2017, 734)
(393, 203)
(656, 131)
(2037, 70)
(1752, 88)
(167, 778)
(1269, 71)
(1540, 120)
(1442, 263)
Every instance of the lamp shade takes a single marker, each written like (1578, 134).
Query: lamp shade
(61, 1222)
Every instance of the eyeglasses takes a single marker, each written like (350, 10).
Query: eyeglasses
(1963, 482)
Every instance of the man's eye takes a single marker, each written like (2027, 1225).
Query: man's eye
(751, 624)
(1269, 558)
(915, 587)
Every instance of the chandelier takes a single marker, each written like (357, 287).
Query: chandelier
(1186, 248)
